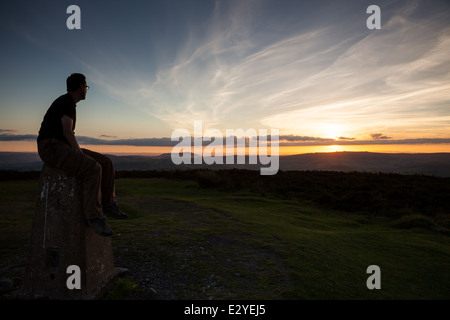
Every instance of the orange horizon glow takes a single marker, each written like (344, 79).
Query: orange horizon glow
(30, 146)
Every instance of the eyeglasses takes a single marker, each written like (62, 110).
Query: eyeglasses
(87, 88)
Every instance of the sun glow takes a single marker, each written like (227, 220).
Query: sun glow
(333, 131)
(335, 148)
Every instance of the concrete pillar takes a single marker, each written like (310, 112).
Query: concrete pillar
(61, 238)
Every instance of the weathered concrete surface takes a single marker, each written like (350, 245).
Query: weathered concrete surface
(60, 238)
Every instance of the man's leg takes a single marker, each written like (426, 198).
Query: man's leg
(108, 177)
(110, 206)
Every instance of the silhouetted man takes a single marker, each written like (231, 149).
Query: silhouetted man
(59, 148)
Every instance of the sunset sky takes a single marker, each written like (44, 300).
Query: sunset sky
(311, 69)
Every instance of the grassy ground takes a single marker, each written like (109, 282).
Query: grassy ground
(186, 242)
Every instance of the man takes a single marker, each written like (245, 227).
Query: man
(59, 148)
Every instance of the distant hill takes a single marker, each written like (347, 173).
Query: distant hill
(21, 161)
(434, 164)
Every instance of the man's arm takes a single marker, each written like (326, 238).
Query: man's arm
(67, 125)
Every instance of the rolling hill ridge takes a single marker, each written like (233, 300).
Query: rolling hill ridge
(434, 164)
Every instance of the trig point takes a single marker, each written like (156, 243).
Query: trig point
(61, 238)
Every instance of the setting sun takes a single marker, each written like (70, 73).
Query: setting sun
(333, 131)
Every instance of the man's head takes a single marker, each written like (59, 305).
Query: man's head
(76, 86)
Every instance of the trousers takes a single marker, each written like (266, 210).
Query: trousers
(94, 170)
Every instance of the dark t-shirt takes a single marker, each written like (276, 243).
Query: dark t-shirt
(51, 126)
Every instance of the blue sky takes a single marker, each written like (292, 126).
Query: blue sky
(311, 69)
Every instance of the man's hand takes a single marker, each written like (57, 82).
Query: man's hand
(67, 126)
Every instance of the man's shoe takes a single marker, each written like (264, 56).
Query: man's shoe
(100, 226)
(115, 212)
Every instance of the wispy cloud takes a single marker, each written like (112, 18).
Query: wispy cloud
(332, 81)
(18, 137)
(8, 131)
(127, 142)
(223, 91)
(397, 78)
(107, 136)
(227, 75)
(379, 136)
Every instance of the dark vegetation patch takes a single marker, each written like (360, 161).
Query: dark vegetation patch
(381, 194)
(372, 194)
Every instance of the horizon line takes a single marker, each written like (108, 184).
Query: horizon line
(284, 141)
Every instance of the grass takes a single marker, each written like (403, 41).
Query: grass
(187, 242)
